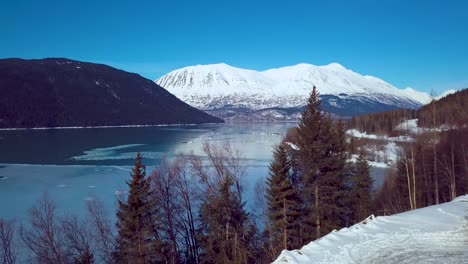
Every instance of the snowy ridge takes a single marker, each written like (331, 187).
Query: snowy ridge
(444, 94)
(217, 85)
(421, 97)
(434, 234)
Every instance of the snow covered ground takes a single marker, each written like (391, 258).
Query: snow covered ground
(383, 150)
(434, 234)
(382, 155)
(358, 134)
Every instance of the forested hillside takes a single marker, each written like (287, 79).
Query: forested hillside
(432, 164)
(63, 93)
(450, 110)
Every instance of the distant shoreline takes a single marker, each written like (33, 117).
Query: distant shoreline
(159, 125)
(91, 127)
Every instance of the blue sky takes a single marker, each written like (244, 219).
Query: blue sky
(422, 44)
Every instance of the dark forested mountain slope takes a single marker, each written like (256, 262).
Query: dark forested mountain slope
(61, 92)
(451, 110)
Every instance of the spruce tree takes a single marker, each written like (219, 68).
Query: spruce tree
(283, 204)
(321, 157)
(224, 226)
(361, 189)
(337, 171)
(137, 240)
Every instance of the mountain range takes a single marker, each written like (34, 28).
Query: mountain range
(59, 92)
(280, 94)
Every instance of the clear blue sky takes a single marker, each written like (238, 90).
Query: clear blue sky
(422, 44)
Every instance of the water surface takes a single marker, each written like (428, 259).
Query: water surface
(74, 165)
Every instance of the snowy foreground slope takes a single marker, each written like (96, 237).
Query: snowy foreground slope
(434, 234)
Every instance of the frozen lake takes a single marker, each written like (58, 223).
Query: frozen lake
(73, 165)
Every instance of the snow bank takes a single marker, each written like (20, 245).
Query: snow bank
(358, 134)
(434, 234)
(410, 125)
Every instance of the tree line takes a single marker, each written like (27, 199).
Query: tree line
(448, 111)
(432, 169)
(433, 164)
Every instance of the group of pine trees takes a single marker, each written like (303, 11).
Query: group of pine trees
(312, 189)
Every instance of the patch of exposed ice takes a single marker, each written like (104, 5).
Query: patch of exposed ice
(114, 153)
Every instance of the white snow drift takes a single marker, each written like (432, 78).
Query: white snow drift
(434, 234)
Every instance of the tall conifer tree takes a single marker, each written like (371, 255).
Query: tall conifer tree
(361, 189)
(283, 203)
(321, 156)
(137, 240)
(224, 226)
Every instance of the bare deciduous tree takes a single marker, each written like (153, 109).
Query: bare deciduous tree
(44, 237)
(163, 181)
(78, 240)
(187, 192)
(434, 149)
(222, 161)
(102, 229)
(226, 225)
(7, 247)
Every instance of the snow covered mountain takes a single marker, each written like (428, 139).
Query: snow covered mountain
(434, 234)
(228, 92)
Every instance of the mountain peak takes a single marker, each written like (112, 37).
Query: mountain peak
(334, 66)
(409, 89)
(214, 66)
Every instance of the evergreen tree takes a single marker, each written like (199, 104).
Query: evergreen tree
(321, 156)
(283, 204)
(137, 240)
(361, 189)
(224, 226)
